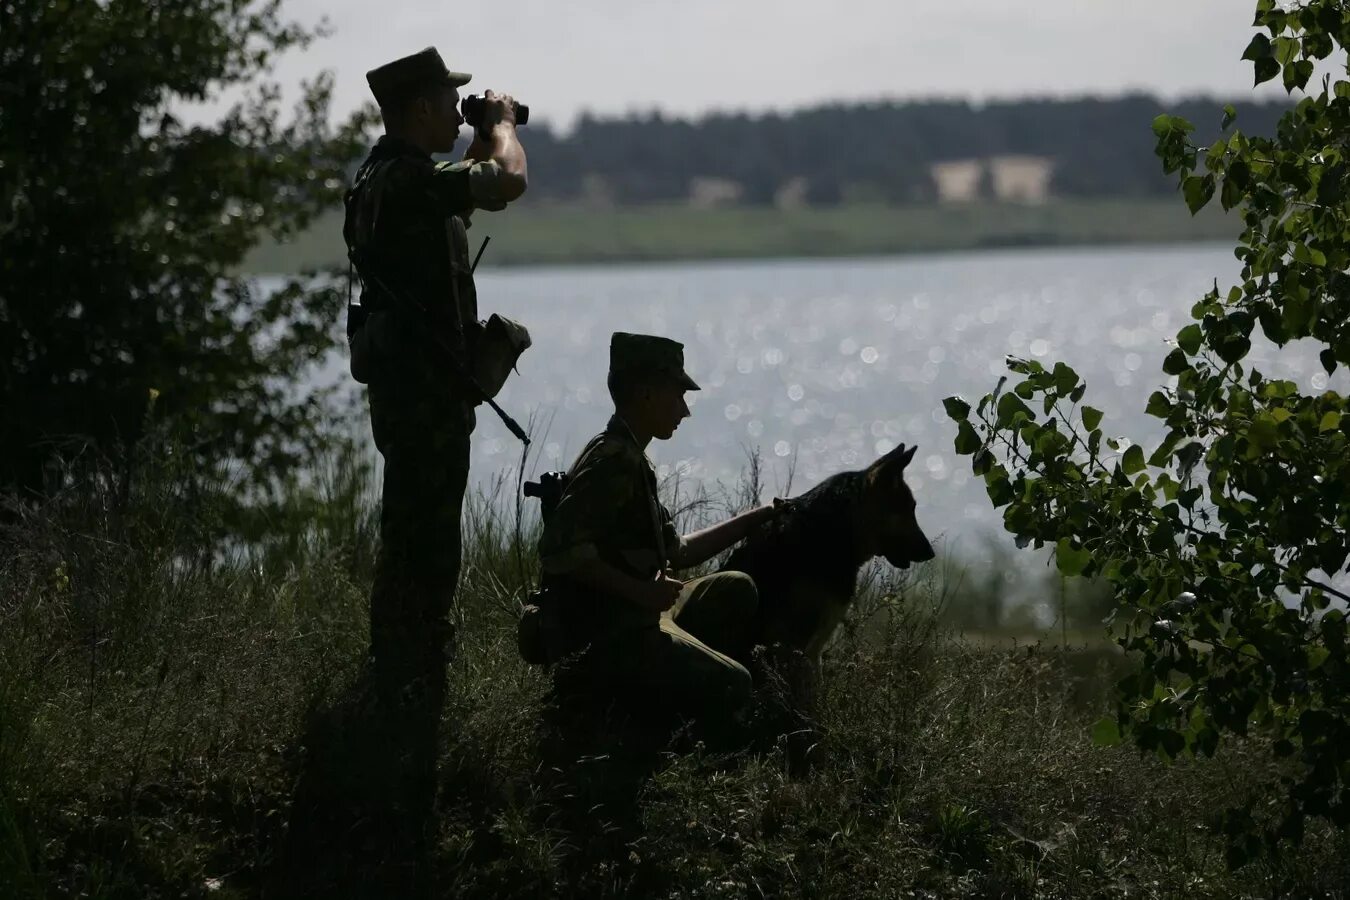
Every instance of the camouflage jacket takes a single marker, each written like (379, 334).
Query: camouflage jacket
(609, 511)
(406, 228)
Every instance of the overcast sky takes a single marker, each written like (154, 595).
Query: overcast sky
(692, 56)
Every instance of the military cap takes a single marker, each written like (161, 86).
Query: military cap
(646, 355)
(402, 78)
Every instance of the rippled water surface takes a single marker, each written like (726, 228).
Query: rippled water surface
(824, 364)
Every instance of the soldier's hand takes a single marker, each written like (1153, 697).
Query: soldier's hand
(498, 108)
(768, 512)
(660, 595)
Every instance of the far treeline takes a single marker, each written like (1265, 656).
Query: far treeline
(1095, 147)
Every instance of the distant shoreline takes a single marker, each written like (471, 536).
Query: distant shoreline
(550, 236)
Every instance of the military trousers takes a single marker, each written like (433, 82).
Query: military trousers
(680, 663)
(424, 439)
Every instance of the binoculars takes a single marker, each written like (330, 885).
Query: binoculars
(471, 107)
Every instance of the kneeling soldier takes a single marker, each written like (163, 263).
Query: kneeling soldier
(616, 624)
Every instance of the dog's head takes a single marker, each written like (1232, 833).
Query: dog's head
(890, 526)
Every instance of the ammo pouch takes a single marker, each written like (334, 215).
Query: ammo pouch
(530, 632)
(499, 343)
(369, 338)
(358, 342)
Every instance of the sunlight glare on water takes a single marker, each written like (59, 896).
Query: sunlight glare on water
(820, 365)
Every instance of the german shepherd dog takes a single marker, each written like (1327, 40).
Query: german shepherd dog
(806, 563)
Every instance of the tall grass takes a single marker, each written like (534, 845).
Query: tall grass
(155, 679)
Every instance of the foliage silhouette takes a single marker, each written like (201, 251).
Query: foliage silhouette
(1224, 544)
(122, 225)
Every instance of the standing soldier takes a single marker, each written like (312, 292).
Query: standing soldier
(413, 338)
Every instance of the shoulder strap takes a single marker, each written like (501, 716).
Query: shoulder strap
(457, 245)
(361, 211)
(584, 455)
(648, 478)
(352, 222)
(649, 485)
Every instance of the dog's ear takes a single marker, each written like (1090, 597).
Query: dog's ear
(908, 457)
(893, 462)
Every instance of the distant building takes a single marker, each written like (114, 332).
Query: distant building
(792, 193)
(596, 192)
(1009, 179)
(958, 180)
(706, 192)
(1021, 179)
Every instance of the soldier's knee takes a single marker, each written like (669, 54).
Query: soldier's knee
(741, 592)
(740, 686)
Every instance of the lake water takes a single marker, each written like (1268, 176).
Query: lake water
(821, 365)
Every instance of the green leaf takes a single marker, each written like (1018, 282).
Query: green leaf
(1286, 50)
(1330, 422)
(1232, 348)
(1309, 255)
(967, 441)
(1106, 733)
(1158, 405)
(1176, 362)
(1012, 411)
(1259, 48)
(1266, 69)
(1162, 125)
(1189, 339)
(1066, 379)
(1170, 488)
(1296, 318)
(1051, 443)
(1264, 431)
(1133, 460)
(1092, 417)
(1163, 454)
(1197, 190)
(1234, 190)
(957, 409)
(1229, 117)
(1296, 74)
(999, 489)
(1069, 559)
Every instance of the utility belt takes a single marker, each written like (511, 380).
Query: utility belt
(561, 619)
(378, 330)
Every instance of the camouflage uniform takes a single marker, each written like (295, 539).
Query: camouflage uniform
(609, 647)
(405, 228)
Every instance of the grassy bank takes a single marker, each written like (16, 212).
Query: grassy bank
(554, 235)
(153, 689)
